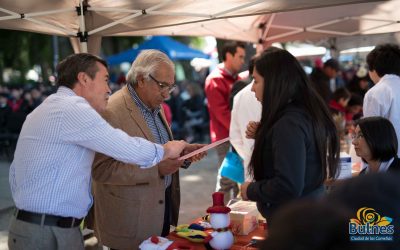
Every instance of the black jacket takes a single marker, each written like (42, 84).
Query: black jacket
(321, 83)
(291, 163)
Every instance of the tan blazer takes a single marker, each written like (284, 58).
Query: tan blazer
(128, 201)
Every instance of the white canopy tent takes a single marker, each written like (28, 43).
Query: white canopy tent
(264, 21)
(348, 42)
(338, 21)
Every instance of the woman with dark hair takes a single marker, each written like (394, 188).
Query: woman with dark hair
(375, 141)
(296, 144)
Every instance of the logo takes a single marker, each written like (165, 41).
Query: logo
(370, 226)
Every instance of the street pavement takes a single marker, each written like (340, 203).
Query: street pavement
(6, 204)
(197, 185)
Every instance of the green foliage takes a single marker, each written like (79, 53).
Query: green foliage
(114, 45)
(12, 52)
(194, 42)
(21, 50)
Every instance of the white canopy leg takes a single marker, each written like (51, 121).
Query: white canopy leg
(83, 39)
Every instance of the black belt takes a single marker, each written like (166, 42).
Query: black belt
(47, 219)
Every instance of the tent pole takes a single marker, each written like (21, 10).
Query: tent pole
(55, 52)
(268, 26)
(238, 8)
(82, 35)
(333, 48)
(290, 33)
(329, 32)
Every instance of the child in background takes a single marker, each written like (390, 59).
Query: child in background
(337, 105)
(354, 108)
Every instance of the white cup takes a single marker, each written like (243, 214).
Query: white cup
(345, 166)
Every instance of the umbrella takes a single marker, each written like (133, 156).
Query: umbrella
(174, 49)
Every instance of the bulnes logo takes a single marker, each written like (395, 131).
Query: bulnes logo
(370, 226)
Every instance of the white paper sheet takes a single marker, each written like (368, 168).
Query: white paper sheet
(205, 148)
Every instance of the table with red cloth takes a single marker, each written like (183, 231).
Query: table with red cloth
(241, 241)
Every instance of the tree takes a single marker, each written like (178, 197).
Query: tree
(20, 51)
(13, 51)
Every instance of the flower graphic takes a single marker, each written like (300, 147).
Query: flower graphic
(369, 215)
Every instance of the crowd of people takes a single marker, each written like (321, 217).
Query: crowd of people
(343, 91)
(185, 111)
(123, 143)
(17, 102)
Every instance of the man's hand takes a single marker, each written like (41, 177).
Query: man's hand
(251, 130)
(192, 147)
(173, 149)
(168, 166)
(243, 190)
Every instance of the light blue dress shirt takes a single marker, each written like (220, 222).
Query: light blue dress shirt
(55, 151)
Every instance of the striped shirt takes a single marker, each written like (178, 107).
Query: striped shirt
(154, 122)
(55, 150)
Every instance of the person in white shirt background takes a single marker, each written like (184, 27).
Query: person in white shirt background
(384, 98)
(245, 109)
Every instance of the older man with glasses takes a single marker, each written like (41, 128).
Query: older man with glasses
(163, 85)
(132, 204)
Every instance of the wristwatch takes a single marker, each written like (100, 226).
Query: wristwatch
(186, 164)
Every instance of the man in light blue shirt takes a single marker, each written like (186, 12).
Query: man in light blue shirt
(50, 174)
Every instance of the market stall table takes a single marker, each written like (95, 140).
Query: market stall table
(241, 241)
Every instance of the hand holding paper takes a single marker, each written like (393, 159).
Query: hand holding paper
(168, 166)
(200, 152)
(190, 148)
(172, 149)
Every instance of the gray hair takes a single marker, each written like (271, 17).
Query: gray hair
(147, 62)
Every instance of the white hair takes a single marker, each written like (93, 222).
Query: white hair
(147, 62)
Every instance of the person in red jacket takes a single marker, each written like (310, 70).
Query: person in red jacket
(337, 106)
(218, 87)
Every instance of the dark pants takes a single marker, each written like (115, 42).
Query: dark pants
(167, 213)
(229, 187)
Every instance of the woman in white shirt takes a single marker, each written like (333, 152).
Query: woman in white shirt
(375, 141)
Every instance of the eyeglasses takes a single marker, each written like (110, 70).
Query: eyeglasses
(357, 136)
(163, 85)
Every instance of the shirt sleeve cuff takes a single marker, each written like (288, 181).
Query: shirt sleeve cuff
(159, 152)
(159, 155)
